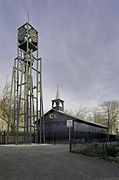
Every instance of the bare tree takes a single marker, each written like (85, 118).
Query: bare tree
(70, 112)
(4, 105)
(5, 108)
(108, 114)
(82, 112)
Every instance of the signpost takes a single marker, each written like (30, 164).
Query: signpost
(69, 125)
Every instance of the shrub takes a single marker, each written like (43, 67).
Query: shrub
(112, 150)
(101, 150)
(92, 149)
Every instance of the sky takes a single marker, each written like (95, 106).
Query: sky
(78, 42)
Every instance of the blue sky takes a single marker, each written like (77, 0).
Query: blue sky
(79, 44)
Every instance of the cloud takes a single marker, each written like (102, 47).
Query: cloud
(79, 43)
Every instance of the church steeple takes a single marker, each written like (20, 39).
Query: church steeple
(57, 103)
(57, 93)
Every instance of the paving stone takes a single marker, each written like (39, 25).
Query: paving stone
(52, 162)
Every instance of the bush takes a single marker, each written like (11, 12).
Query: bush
(101, 150)
(112, 150)
(92, 149)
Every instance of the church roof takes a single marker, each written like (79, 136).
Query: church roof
(77, 119)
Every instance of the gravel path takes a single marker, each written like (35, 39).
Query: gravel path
(52, 162)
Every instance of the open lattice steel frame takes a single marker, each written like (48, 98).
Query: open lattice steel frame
(26, 101)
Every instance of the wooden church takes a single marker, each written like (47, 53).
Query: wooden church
(56, 124)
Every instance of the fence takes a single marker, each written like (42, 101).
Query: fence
(101, 147)
(87, 137)
(11, 139)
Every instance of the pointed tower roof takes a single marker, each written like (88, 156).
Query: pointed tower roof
(57, 93)
(57, 103)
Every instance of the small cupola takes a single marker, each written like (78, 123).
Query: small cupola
(57, 103)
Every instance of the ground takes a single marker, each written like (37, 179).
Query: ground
(52, 162)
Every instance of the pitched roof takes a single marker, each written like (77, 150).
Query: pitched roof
(79, 120)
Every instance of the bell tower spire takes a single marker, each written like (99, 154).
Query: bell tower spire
(57, 103)
(28, 17)
(57, 93)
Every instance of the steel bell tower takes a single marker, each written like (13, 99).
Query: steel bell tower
(26, 103)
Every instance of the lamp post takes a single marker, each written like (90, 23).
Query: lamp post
(108, 126)
(69, 125)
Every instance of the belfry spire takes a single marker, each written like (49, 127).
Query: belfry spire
(57, 93)
(28, 17)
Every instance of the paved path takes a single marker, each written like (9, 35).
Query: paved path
(49, 162)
